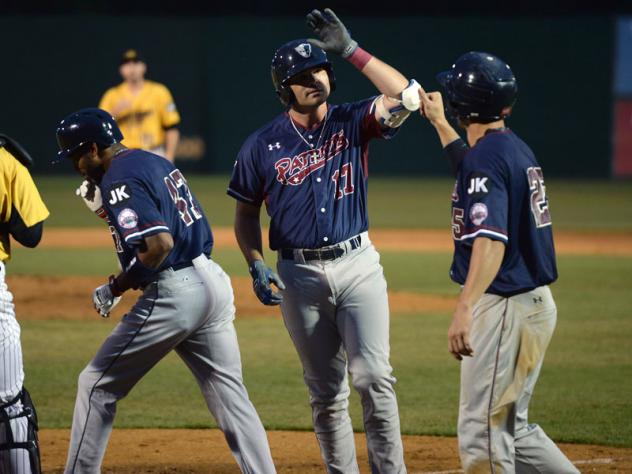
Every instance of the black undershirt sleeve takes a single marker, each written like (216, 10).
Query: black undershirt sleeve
(455, 152)
(27, 236)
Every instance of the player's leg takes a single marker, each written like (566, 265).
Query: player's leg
(212, 355)
(309, 316)
(159, 321)
(536, 453)
(19, 448)
(486, 407)
(363, 322)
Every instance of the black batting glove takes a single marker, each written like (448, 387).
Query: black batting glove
(333, 36)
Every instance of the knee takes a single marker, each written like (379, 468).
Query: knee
(87, 380)
(367, 374)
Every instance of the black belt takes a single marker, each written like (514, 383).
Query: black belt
(328, 253)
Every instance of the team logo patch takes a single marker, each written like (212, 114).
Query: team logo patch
(478, 213)
(479, 184)
(304, 49)
(119, 193)
(127, 218)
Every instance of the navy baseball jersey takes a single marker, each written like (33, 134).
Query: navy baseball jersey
(500, 194)
(313, 182)
(144, 194)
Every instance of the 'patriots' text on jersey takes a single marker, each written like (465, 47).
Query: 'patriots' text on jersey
(313, 182)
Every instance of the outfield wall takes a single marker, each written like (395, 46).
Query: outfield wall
(218, 71)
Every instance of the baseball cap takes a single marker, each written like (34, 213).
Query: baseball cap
(131, 55)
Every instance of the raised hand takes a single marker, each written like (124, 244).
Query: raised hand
(333, 35)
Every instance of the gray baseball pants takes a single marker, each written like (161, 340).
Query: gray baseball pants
(509, 337)
(337, 315)
(190, 311)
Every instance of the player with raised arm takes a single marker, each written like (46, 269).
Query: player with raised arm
(504, 259)
(310, 167)
(164, 243)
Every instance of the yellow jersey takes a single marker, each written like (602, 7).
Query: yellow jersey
(143, 117)
(17, 194)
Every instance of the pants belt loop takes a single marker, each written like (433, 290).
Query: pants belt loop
(298, 256)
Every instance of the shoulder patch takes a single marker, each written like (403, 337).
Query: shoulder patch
(127, 218)
(478, 184)
(119, 193)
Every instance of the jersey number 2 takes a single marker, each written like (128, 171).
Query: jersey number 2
(189, 212)
(539, 202)
(345, 172)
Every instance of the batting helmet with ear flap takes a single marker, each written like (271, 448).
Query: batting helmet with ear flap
(89, 125)
(293, 58)
(480, 87)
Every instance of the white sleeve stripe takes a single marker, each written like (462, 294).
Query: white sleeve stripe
(485, 231)
(234, 193)
(143, 232)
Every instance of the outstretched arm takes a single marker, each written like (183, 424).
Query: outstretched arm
(453, 145)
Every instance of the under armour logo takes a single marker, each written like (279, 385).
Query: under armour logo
(271, 147)
(537, 300)
(304, 49)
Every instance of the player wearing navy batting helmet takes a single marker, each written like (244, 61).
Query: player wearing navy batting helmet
(163, 241)
(504, 259)
(310, 167)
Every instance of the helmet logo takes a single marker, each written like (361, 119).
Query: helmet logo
(304, 49)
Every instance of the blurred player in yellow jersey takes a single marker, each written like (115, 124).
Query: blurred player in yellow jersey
(22, 214)
(144, 110)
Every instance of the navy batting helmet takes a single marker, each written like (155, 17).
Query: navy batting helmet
(479, 87)
(293, 58)
(90, 125)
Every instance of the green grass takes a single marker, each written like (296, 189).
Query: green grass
(393, 202)
(584, 390)
(582, 396)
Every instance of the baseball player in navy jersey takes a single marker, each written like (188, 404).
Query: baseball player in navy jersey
(504, 259)
(164, 242)
(22, 215)
(310, 167)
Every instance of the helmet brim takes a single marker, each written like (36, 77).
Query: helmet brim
(444, 78)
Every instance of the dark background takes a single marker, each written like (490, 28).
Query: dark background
(215, 59)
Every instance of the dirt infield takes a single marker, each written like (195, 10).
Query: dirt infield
(33, 294)
(403, 240)
(204, 451)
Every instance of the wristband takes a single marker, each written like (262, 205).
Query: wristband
(359, 58)
(114, 287)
